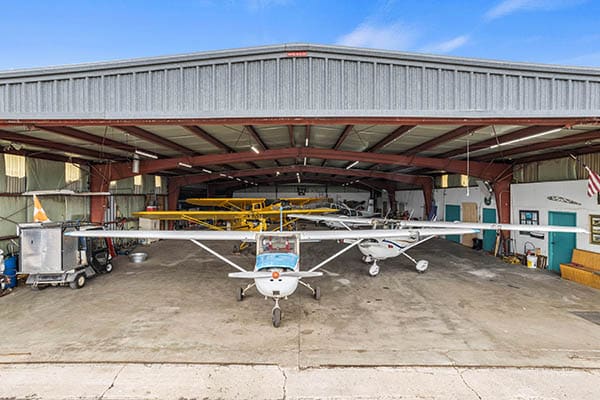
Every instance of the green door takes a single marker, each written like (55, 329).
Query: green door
(453, 214)
(489, 235)
(561, 245)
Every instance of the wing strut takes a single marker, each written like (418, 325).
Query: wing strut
(339, 253)
(220, 257)
(404, 250)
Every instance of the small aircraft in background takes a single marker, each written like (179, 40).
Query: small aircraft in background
(252, 214)
(276, 273)
(382, 248)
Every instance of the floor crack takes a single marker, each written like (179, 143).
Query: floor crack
(112, 384)
(285, 378)
(466, 384)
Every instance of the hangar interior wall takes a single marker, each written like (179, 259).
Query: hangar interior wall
(336, 193)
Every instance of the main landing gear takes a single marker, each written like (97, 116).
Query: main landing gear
(421, 266)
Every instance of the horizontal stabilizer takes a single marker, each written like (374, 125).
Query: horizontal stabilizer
(267, 275)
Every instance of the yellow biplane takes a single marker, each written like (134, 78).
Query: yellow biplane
(252, 214)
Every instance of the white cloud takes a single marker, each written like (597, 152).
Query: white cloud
(447, 46)
(391, 37)
(507, 7)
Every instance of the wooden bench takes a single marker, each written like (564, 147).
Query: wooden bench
(584, 268)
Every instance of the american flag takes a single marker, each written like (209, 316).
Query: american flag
(593, 182)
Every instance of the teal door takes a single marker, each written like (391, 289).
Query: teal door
(453, 214)
(561, 245)
(489, 235)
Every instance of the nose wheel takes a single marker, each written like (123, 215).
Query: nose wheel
(276, 314)
(422, 266)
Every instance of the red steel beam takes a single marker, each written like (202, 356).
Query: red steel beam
(256, 137)
(202, 134)
(478, 169)
(395, 135)
(558, 142)
(587, 149)
(154, 138)
(291, 134)
(46, 144)
(554, 121)
(45, 156)
(88, 137)
(201, 178)
(347, 130)
(518, 134)
(446, 137)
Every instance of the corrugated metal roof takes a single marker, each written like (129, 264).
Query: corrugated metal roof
(299, 80)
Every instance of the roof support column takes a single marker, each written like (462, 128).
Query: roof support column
(427, 188)
(502, 196)
(98, 183)
(174, 188)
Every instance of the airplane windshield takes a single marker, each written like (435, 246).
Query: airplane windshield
(278, 244)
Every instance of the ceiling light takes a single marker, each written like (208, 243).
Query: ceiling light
(208, 171)
(245, 181)
(230, 177)
(184, 165)
(277, 173)
(304, 161)
(254, 149)
(306, 142)
(352, 165)
(149, 155)
(238, 179)
(525, 138)
(135, 167)
(223, 175)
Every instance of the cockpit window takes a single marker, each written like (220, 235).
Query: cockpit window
(278, 244)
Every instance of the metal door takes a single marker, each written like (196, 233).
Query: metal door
(453, 214)
(489, 235)
(561, 245)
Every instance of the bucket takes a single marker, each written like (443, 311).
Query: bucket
(531, 261)
(10, 270)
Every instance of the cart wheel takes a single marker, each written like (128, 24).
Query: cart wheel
(239, 294)
(108, 267)
(317, 294)
(78, 283)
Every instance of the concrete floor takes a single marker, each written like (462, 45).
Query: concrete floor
(471, 327)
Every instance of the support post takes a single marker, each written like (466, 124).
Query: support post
(427, 188)
(174, 191)
(99, 182)
(502, 196)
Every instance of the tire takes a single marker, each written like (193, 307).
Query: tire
(108, 268)
(276, 317)
(317, 294)
(239, 294)
(79, 282)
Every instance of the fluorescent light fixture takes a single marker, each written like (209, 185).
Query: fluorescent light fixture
(352, 165)
(306, 142)
(525, 138)
(245, 181)
(254, 149)
(184, 165)
(277, 173)
(223, 175)
(305, 161)
(230, 177)
(238, 179)
(208, 171)
(149, 155)
(299, 180)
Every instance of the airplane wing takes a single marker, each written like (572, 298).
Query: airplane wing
(441, 224)
(290, 213)
(183, 215)
(250, 236)
(494, 226)
(302, 201)
(239, 203)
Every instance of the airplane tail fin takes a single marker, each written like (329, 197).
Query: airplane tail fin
(39, 215)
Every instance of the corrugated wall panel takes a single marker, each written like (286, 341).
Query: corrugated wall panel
(318, 83)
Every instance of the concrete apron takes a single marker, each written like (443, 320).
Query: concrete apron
(185, 381)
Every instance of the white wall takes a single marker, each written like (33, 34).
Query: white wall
(533, 196)
(413, 200)
(311, 191)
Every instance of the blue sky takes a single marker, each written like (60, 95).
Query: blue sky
(40, 33)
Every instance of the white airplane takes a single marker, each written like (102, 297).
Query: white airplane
(381, 248)
(276, 272)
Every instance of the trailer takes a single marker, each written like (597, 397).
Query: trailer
(53, 259)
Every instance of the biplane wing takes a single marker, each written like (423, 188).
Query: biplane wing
(230, 203)
(304, 201)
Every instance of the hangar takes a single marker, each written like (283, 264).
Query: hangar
(414, 131)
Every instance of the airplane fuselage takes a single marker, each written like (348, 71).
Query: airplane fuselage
(381, 249)
(276, 286)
